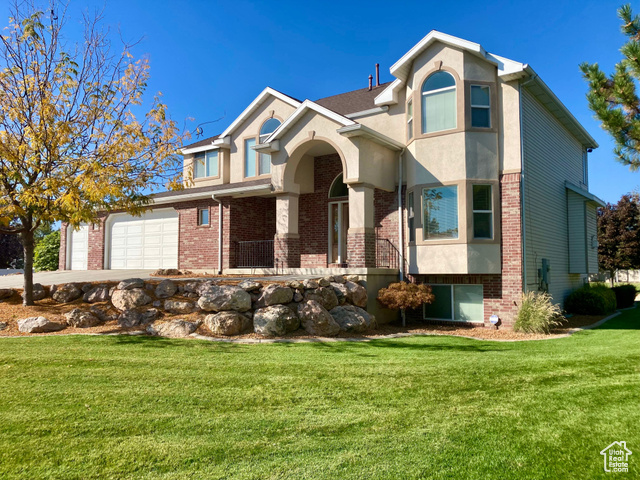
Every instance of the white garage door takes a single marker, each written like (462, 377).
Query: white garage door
(150, 241)
(79, 245)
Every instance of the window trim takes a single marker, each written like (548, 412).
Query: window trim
(485, 107)
(206, 165)
(474, 211)
(199, 219)
(409, 118)
(423, 95)
(453, 305)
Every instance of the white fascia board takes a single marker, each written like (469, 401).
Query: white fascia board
(181, 198)
(506, 67)
(224, 142)
(366, 113)
(584, 193)
(267, 147)
(308, 105)
(240, 191)
(359, 130)
(389, 95)
(218, 193)
(203, 148)
(257, 102)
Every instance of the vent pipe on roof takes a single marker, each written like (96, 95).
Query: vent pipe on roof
(377, 74)
(370, 82)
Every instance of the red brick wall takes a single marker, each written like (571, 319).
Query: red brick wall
(313, 217)
(386, 217)
(95, 260)
(197, 245)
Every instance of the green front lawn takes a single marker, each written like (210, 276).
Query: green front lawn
(421, 407)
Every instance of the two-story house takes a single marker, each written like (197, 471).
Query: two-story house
(465, 172)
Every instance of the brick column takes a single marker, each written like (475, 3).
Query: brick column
(361, 238)
(286, 244)
(62, 254)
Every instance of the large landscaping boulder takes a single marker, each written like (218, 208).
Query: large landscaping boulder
(38, 325)
(325, 296)
(81, 319)
(275, 320)
(356, 294)
(103, 313)
(227, 323)
(166, 288)
(130, 284)
(66, 293)
(128, 299)
(275, 294)
(341, 291)
(219, 298)
(99, 293)
(5, 293)
(250, 285)
(177, 307)
(352, 318)
(315, 319)
(310, 284)
(39, 293)
(134, 318)
(173, 329)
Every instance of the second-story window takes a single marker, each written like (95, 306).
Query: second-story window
(480, 106)
(409, 120)
(438, 102)
(205, 164)
(482, 212)
(250, 156)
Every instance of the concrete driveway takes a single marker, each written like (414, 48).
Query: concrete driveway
(69, 276)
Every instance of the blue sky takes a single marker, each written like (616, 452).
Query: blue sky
(210, 59)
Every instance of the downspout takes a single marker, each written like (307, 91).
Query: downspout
(400, 215)
(213, 197)
(522, 188)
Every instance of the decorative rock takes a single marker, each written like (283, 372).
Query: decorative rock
(275, 295)
(81, 319)
(66, 293)
(149, 286)
(150, 315)
(356, 294)
(131, 283)
(324, 282)
(130, 318)
(174, 329)
(157, 304)
(189, 287)
(128, 299)
(39, 325)
(297, 297)
(167, 272)
(275, 320)
(324, 296)
(225, 297)
(227, 323)
(310, 284)
(295, 284)
(352, 278)
(315, 319)
(166, 288)
(39, 292)
(102, 313)
(174, 306)
(339, 279)
(249, 285)
(99, 293)
(341, 292)
(86, 287)
(3, 325)
(203, 288)
(352, 319)
(5, 293)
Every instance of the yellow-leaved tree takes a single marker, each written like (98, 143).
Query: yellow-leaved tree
(70, 143)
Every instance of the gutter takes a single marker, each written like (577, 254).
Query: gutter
(221, 193)
(400, 227)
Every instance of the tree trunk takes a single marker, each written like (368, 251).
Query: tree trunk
(612, 279)
(404, 317)
(28, 247)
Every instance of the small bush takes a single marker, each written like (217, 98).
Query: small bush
(537, 314)
(403, 295)
(625, 295)
(45, 255)
(596, 299)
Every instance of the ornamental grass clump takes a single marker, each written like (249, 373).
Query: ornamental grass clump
(403, 295)
(537, 314)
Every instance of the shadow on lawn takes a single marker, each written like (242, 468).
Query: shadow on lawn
(148, 341)
(433, 346)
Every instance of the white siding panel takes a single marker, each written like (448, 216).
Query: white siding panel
(551, 156)
(592, 235)
(577, 229)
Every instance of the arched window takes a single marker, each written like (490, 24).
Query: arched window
(264, 159)
(438, 102)
(338, 188)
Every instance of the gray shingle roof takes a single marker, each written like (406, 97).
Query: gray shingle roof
(354, 101)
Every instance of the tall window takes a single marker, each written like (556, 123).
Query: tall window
(250, 156)
(411, 217)
(480, 106)
(264, 159)
(206, 164)
(440, 213)
(457, 303)
(482, 212)
(409, 120)
(438, 103)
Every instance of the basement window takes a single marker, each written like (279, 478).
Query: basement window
(455, 303)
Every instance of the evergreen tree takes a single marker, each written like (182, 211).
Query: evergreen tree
(614, 99)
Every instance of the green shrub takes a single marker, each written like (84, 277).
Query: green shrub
(537, 313)
(45, 256)
(625, 295)
(591, 299)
